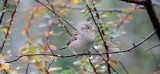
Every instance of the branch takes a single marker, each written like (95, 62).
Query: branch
(135, 1)
(124, 67)
(153, 47)
(153, 16)
(8, 28)
(92, 66)
(4, 7)
(56, 14)
(134, 45)
(28, 65)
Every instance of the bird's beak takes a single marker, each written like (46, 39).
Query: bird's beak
(93, 29)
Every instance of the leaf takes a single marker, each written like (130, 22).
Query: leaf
(27, 16)
(97, 5)
(53, 47)
(36, 57)
(114, 34)
(130, 17)
(115, 49)
(5, 66)
(4, 30)
(2, 61)
(20, 68)
(75, 1)
(46, 34)
(54, 69)
(36, 14)
(125, 10)
(14, 72)
(67, 71)
(24, 32)
(11, 6)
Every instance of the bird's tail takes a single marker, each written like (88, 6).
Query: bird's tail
(63, 47)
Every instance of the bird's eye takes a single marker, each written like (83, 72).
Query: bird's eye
(88, 28)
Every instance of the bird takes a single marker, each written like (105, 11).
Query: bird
(82, 39)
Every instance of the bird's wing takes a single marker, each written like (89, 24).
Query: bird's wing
(74, 37)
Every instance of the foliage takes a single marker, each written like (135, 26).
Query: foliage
(41, 54)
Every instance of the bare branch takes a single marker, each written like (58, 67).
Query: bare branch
(123, 67)
(135, 45)
(135, 1)
(153, 47)
(153, 16)
(92, 66)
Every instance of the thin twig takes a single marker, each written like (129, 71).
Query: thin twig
(28, 65)
(100, 54)
(153, 47)
(124, 67)
(92, 66)
(56, 14)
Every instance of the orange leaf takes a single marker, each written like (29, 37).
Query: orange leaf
(24, 32)
(5, 66)
(46, 34)
(53, 47)
(134, 5)
(75, 1)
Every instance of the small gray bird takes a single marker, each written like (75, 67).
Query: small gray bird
(82, 39)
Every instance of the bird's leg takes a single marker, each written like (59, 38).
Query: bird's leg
(89, 53)
(77, 55)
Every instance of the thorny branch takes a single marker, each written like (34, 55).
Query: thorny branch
(8, 28)
(101, 35)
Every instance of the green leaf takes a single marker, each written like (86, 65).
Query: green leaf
(4, 29)
(114, 34)
(66, 71)
(106, 28)
(104, 15)
(11, 7)
(99, 21)
(97, 5)
(115, 49)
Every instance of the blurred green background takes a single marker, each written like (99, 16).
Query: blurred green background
(136, 61)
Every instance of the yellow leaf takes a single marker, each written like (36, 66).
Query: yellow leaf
(14, 72)
(36, 13)
(24, 60)
(5, 66)
(125, 10)
(40, 66)
(27, 16)
(0, 54)
(20, 68)
(36, 57)
(54, 69)
(75, 1)
(24, 32)
(130, 17)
